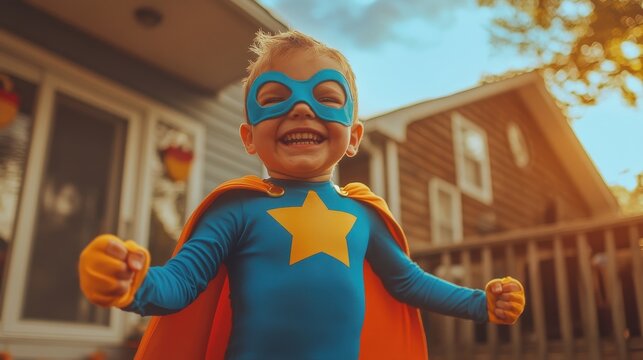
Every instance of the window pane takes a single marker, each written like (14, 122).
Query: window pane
(78, 199)
(171, 172)
(473, 172)
(474, 145)
(446, 208)
(14, 148)
(446, 234)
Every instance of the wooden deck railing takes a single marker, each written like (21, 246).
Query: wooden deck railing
(584, 284)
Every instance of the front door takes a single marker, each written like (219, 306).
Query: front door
(77, 181)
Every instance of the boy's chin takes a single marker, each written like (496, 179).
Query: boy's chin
(302, 172)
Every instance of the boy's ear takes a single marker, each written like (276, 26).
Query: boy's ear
(357, 131)
(245, 131)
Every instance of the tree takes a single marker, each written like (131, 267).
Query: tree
(631, 202)
(584, 46)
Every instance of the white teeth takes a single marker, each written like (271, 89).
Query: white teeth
(302, 138)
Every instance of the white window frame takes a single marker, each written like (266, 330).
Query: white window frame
(437, 185)
(195, 182)
(12, 324)
(518, 145)
(482, 193)
(52, 73)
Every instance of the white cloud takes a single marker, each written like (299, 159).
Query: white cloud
(365, 23)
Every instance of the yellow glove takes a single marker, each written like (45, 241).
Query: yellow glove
(111, 270)
(505, 300)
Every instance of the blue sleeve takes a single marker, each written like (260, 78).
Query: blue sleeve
(408, 283)
(171, 287)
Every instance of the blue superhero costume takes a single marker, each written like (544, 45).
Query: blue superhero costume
(296, 270)
(301, 270)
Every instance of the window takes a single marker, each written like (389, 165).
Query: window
(518, 145)
(78, 199)
(445, 211)
(15, 137)
(471, 159)
(171, 167)
(74, 163)
(77, 186)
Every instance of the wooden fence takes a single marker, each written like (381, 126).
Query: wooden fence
(584, 284)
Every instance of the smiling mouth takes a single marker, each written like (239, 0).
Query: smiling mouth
(302, 138)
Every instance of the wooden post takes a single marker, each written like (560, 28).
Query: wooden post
(637, 270)
(467, 325)
(538, 308)
(492, 329)
(562, 288)
(587, 298)
(615, 295)
(449, 321)
(516, 338)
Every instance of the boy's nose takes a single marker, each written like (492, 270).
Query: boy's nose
(301, 111)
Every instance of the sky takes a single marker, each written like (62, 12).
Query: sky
(404, 52)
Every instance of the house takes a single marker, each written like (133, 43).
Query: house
(127, 113)
(499, 156)
(492, 181)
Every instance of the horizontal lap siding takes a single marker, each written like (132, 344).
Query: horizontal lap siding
(520, 196)
(427, 152)
(225, 156)
(220, 113)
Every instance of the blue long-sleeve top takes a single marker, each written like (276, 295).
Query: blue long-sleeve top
(295, 265)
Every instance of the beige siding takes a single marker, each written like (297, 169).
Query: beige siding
(225, 155)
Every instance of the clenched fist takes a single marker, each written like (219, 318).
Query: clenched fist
(505, 300)
(111, 270)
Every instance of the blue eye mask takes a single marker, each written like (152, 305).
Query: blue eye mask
(300, 91)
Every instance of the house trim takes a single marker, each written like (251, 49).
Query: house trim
(393, 180)
(435, 185)
(260, 15)
(395, 123)
(484, 193)
(376, 167)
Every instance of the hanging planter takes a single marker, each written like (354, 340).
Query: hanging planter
(9, 102)
(177, 162)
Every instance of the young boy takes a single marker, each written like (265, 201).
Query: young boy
(291, 267)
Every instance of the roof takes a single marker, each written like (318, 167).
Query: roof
(531, 88)
(202, 42)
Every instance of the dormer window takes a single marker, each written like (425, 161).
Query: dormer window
(518, 145)
(471, 159)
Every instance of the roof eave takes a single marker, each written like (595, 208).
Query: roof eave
(578, 165)
(542, 107)
(264, 18)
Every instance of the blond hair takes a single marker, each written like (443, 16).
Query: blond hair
(268, 47)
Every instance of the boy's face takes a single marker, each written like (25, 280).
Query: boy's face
(298, 145)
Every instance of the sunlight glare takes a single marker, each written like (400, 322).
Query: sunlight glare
(630, 50)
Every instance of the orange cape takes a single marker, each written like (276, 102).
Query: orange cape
(391, 330)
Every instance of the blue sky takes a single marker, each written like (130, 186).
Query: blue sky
(408, 51)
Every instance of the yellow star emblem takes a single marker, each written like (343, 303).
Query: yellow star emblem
(315, 229)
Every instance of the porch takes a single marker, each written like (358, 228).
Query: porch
(584, 284)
